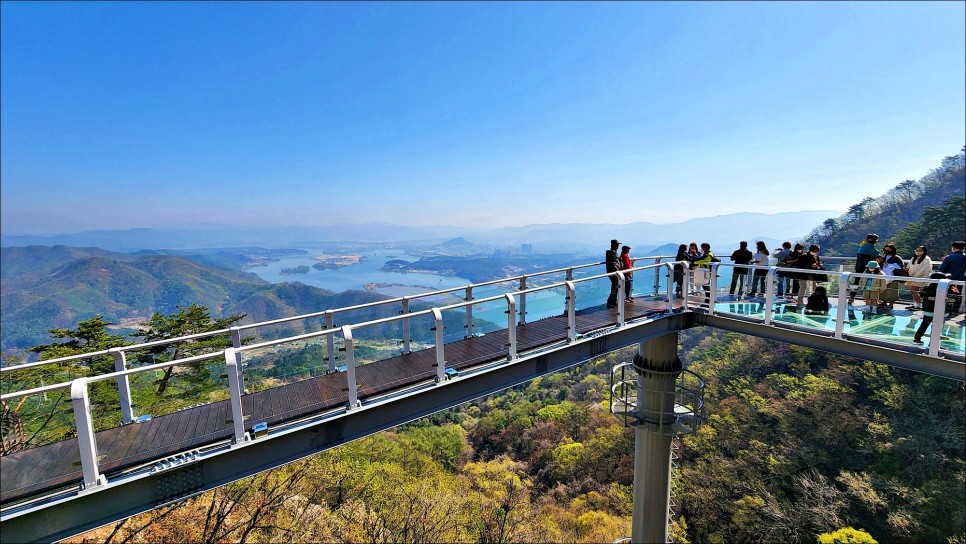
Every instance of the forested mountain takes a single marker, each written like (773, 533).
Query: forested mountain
(47, 287)
(891, 214)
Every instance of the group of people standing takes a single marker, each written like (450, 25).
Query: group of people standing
(882, 292)
(794, 285)
(615, 261)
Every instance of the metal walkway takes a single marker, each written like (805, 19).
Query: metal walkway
(69, 486)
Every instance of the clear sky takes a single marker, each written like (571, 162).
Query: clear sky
(135, 114)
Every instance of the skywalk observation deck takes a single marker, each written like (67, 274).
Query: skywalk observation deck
(83, 453)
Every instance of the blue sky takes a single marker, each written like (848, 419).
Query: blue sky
(121, 115)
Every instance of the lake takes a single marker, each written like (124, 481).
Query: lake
(356, 276)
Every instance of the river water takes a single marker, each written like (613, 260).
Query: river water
(396, 284)
(357, 276)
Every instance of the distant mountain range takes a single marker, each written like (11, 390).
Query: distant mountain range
(45, 287)
(724, 229)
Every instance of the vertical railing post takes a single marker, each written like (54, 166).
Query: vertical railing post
(938, 318)
(842, 305)
(713, 284)
(511, 310)
(620, 298)
(523, 300)
(440, 343)
(123, 386)
(685, 284)
(86, 441)
(469, 311)
(670, 286)
(405, 325)
(330, 338)
(350, 368)
(570, 274)
(236, 343)
(571, 301)
(770, 294)
(235, 396)
(657, 276)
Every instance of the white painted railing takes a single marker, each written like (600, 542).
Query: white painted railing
(514, 301)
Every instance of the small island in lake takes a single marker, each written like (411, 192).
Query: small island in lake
(332, 262)
(295, 270)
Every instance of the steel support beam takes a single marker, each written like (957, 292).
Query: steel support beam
(944, 368)
(57, 520)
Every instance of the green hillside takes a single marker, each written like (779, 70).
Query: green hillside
(888, 215)
(46, 287)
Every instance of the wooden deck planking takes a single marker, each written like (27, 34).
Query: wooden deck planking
(191, 432)
(131, 445)
(62, 456)
(158, 435)
(133, 435)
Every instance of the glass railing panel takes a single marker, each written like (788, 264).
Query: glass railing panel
(158, 392)
(37, 420)
(489, 316)
(898, 326)
(285, 363)
(546, 303)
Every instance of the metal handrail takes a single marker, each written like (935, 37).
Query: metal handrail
(232, 355)
(80, 393)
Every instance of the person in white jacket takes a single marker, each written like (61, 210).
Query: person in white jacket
(920, 266)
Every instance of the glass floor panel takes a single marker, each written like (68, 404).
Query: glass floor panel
(897, 325)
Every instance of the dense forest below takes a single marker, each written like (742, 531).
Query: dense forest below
(797, 443)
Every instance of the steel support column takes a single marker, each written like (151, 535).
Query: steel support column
(658, 366)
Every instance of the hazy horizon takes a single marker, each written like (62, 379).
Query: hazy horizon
(202, 226)
(483, 115)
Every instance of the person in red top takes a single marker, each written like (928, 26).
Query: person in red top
(627, 264)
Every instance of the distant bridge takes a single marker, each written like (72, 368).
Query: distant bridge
(363, 385)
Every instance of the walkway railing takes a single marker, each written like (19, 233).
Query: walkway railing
(565, 298)
(514, 301)
(893, 325)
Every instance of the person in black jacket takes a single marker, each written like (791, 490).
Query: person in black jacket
(740, 256)
(613, 264)
(929, 305)
(818, 302)
(679, 269)
(808, 262)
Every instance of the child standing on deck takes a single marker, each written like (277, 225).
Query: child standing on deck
(873, 286)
